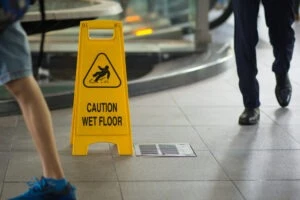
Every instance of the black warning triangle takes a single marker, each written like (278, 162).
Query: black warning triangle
(102, 74)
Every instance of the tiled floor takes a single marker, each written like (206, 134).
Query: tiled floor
(260, 162)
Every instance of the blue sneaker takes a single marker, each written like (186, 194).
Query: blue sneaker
(44, 190)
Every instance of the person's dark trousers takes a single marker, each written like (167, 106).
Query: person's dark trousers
(279, 19)
(296, 7)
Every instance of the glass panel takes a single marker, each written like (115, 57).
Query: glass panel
(155, 18)
(167, 19)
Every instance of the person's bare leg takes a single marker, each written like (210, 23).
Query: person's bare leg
(38, 120)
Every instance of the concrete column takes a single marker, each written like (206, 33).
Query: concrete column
(202, 35)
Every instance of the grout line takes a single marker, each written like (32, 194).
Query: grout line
(115, 168)
(5, 173)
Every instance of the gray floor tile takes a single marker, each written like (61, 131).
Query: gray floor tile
(295, 101)
(10, 121)
(202, 167)
(157, 116)
(12, 189)
(153, 99)
(1, 184)
(213, 84)
(20, 130)
(231, 78)
(295, 69)
(268, 97)
(206, 98)
(209, 190)
(180, 134)
(93, 167)
(98, 190)
(294, 131)
(210, 93)
(284, 116)
(62, 130)
(260, 165)
(22, 140)
(23, 166)
(25, 143)
(77, 168)
(4, 158)
(224, 116)
(62, 117)
(246, 137)
(99, 148)
(6, 138)
(270, 190)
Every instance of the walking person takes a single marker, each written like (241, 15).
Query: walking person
(16, 74)
(279, 16)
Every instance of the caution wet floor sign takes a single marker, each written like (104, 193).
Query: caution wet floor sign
(100, 108)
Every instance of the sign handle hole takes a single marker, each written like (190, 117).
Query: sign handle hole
(101, 33)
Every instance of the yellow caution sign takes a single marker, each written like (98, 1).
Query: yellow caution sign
(101, 108)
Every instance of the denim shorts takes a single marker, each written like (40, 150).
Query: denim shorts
(15, 55)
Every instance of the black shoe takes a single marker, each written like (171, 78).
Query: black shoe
(283, 90)
(250, 116)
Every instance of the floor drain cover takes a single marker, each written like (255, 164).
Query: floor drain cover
(165, 149)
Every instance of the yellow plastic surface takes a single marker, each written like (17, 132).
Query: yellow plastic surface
(101, 108)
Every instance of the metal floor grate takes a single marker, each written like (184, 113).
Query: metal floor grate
(165, 150)
(168, 149)
(148, 149)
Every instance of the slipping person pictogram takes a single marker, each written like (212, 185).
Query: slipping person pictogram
(102, 74)
(99, 75)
